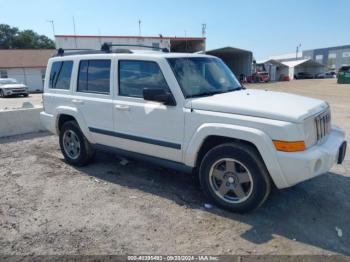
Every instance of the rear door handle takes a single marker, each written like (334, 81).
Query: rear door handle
(78, 102)
(122, 107)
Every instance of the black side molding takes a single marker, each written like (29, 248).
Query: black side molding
(150, 159)
(136, 138)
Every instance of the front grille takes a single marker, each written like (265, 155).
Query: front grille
(18, 90)
(323, 125)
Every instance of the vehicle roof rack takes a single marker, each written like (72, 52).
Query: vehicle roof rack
(62, 52)
(106, 47)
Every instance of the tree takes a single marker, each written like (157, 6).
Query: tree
(7, 34)
(13, 38)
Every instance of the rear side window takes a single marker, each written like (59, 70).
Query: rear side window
(94, 76)
(134, 76)
(60, 75)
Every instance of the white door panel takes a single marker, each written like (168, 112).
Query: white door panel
(97, 114)
(146, 127)
(149, 128)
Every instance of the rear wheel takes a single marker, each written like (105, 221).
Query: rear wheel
(2, 93)
(26, 95)
(234, 177)
(74, 146)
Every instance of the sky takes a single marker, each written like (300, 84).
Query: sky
(266, 27)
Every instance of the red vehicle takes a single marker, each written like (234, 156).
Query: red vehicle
(259, 77)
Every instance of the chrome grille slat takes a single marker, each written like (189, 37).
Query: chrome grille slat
(323, 125)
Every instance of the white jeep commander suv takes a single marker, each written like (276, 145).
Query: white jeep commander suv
(188, 112)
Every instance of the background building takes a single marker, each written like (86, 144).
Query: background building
(174, 44)
(304, 66)
(331, 57)
(27, 66)
(238, 60)
(277, 70)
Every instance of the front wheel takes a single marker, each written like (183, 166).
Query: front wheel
(75, 148)
(234, 177)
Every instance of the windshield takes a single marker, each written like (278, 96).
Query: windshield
(344, 69)
(200, 76)
(7, 81)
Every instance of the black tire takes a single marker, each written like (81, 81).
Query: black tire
(246, 157)
(86, 152)
(26, 95)
(2, 93)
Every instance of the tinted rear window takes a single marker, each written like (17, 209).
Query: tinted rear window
(60, 74)
(94, 76)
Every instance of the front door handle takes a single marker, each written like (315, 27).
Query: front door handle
(78, 102)
(122, 107)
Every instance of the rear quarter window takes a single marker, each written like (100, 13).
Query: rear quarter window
(60, 75)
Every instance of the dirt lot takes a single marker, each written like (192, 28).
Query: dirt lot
(16, 102)
(49, 207)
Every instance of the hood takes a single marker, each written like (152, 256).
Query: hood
(13, 86)
(261, 103)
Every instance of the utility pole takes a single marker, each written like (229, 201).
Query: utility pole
(75, 34)
(53, 26)
(99, 36)
(204, 32)
(297, 51)
(139, 27)
(53, 30)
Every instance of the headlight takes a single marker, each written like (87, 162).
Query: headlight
(310, 132)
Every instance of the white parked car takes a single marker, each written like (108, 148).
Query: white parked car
(10, 87)
(189, 112)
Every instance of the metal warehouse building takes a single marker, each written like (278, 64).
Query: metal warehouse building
(174, 44)
(238, 60)
(27, 66)
(332, 57)
(305, 65)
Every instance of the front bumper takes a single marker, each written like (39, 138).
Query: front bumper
(11, 92)
(300, 166)
(48, 121)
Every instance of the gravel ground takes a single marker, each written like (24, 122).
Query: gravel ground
(49, 207)
(16, 102)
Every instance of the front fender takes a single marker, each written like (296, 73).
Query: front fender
(257, 137)
(74, 112)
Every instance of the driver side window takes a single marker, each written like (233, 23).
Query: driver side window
(135, 75)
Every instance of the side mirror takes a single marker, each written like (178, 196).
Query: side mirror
(159, 95)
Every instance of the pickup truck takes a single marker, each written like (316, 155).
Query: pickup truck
(188, 112)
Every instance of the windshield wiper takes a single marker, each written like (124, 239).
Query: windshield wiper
(202, 94)
(207, 93)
